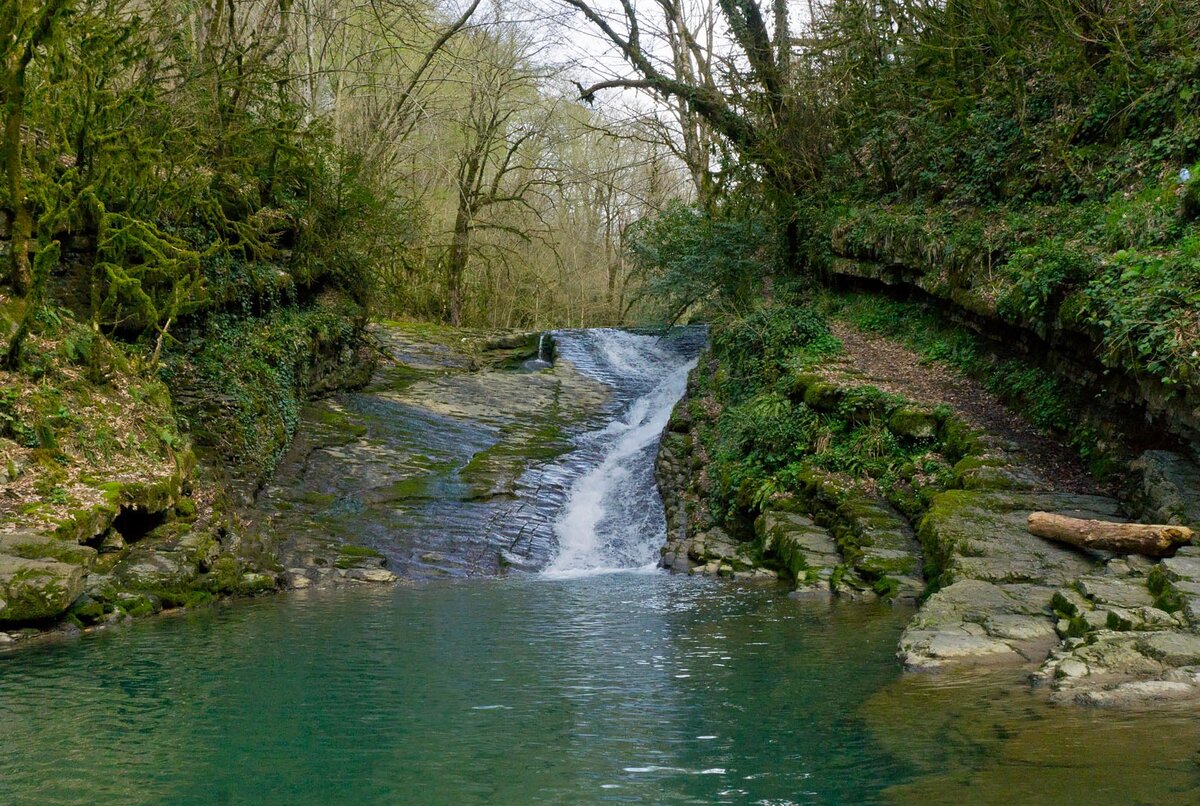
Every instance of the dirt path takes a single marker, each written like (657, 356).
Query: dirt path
(894, 368)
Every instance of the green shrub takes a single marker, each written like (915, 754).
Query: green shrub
(1041, 275)
(759, 347)
(687, 256)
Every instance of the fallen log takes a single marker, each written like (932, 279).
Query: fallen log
(1150, 540)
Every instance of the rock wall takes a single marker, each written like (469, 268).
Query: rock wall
(1121, 392)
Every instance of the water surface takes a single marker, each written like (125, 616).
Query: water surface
(625, 688)
(630, 688)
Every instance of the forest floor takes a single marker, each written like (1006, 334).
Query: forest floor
(894, 368)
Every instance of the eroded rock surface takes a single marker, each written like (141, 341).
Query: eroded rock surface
(431, 469)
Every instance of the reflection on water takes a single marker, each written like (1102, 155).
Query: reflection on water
(985, 738)
(623, 688)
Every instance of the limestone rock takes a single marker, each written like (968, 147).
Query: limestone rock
(922, 649)
(1172, 648)
(803, 547)
(913, 423)
(254, 582)
(112, 543)
(297, 579)
(32, 589)
(983, 535)
(145, 567)
(377, 575)
(33, 546)
(1005, 624)
(1119, 592)
(1170, 488)
(1181, 568)
(1018, 627)
(1137, 693)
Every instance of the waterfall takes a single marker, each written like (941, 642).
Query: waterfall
(542, 360)
(612, 519)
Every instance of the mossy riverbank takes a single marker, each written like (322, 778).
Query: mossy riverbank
(787, 459)
(118, 497)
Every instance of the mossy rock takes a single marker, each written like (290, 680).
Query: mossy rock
(32, 590)
(822, 488)
(915, 424)
(137, 605)
(224, 574)
(802, 547)
(352, 556)
(83, 524)
(352, 550)
(148, 496)
(994, 473)
(87, 611)
(960, 440)
(877, 562)
(801, 381)
(146, 569)
(823, 395)
(337, 421)
(31, 546)
(253, 582)
(185, 509)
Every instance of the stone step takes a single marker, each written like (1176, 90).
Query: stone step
(878, 538)
(808, 551)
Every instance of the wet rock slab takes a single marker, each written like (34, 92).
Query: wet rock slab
(997, 579)
(1131, 636)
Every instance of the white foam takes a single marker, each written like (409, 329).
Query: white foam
(607, 524)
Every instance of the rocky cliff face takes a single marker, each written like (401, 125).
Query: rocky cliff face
(1058, 336)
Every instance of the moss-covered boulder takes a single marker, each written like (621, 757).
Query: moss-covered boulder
(32, 590)
(33, 546)
(995, 472)
(914, 423)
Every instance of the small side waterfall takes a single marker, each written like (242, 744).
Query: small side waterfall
(544, 354)
(613, 518)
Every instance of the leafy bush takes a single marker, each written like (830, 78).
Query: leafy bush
(768, 430)
(1041, 275)
(688, 256)
(1147, 308)
(760, 346)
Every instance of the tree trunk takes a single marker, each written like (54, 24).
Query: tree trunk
(21, 274)
(456, 263)
(1149, 540)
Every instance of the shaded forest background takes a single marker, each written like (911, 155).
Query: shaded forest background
(415, 155)
(191, 181)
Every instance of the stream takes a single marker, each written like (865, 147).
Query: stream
(581, 675)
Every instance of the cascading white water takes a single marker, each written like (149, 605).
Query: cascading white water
(613, 519)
